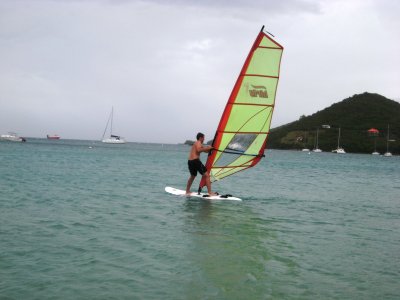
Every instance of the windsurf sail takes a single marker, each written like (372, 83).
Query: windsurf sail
(242, 133)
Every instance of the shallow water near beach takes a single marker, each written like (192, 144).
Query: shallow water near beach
(85, 220)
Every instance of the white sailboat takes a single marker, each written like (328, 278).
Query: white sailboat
(339, 149)
(12, 137)
(113, 139)
(375, 152)
(387, 153)
(373, 132)
(305, 149)
(316, 149)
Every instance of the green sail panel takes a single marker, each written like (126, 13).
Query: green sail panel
(242, 133)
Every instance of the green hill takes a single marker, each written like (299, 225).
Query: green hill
(354, 115)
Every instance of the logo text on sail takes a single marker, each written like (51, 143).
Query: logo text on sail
(258, 91)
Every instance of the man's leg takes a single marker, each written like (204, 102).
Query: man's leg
(208, 184)
(189, 183)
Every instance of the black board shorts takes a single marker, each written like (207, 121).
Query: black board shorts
(195, 166)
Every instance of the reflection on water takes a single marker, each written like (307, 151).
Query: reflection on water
(230, 251)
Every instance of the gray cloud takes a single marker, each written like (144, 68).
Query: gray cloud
(272, 5)
(168, 67)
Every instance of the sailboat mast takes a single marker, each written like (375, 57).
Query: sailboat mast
(387, 140)
(338, 140)
(317, 138)
(105, 129)
(112, 114)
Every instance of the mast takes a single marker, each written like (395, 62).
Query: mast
(112, 115)
(105, 129)
(338, 141)
(387, 140)
(110, 118)
(317, 139)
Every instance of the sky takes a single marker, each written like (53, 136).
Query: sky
(168, 67)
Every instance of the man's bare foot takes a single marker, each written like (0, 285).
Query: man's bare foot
(213, 194)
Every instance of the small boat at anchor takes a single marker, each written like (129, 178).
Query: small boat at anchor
(113, 139)
(53, 137)
(339, 150)
(388, 153)
(316, 149)
(12, 137)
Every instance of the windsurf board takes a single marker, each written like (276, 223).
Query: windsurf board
(203, 196)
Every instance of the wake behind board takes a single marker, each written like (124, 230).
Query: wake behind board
(182, 193)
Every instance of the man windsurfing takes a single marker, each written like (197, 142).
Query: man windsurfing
(195, 165)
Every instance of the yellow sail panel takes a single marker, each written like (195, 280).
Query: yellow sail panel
(249, 119)
(219, 173)
(264, 62)
(243, 130)
(268, 42)
(257, 90)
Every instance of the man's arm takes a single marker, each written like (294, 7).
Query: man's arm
(201, 148)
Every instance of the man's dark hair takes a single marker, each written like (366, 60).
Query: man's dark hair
(199, 135)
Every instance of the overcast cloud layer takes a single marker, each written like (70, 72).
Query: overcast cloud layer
(168, 67)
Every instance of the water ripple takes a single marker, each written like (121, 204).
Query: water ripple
(97, 224)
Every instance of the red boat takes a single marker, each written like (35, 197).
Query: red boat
(53, 137)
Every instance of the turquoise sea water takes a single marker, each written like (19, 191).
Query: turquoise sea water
(95, 223)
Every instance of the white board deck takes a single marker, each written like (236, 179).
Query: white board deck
(182, 193)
